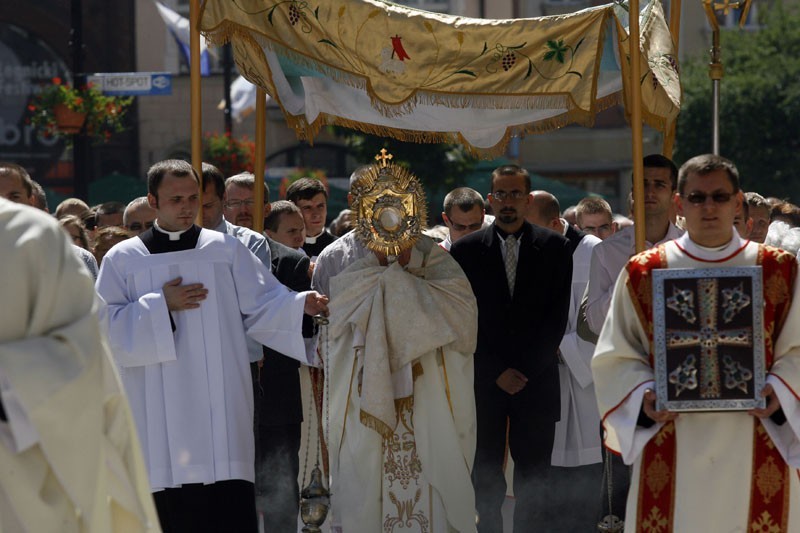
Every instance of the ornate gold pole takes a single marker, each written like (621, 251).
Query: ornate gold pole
(261, 153)
(196, 113)
(715, 69)
(637, 151)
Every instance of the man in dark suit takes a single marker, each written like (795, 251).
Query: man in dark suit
(521, 276)
(279, 409)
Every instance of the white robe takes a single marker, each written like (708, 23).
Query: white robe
(714, 450)
(577, 437)
(69, 457)
(191, 390)
(426, 316)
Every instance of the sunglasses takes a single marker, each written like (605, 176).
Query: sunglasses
(699, 198)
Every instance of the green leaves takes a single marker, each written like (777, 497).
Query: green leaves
(556, 50)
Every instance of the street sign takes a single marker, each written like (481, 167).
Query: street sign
(132, 83)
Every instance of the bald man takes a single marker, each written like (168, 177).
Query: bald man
(576, 457)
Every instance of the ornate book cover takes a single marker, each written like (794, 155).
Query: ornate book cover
(708, 338)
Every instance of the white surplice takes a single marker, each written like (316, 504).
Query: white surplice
(191, 390)
(714, 449)
(577, 437)
(406, 335)
(608, 259)
(69, 457)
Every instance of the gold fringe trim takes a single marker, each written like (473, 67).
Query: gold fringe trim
(376, 424)
(379, 426)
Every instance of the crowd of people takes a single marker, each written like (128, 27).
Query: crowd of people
(513, 339)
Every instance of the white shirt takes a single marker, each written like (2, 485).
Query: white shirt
(608, 259)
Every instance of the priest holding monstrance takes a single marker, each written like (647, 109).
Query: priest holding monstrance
(697, 371)
(399, 407)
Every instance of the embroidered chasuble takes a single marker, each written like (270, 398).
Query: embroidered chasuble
(402, 409)
(70, 459)
(187, 373)
(706, 471)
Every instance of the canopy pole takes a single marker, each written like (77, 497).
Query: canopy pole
(197, 118)
(637, 151)
(675, 32)
(261, 156)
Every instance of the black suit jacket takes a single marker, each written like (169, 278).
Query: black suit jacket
(279, 397)
(574, 237)
(524, 332)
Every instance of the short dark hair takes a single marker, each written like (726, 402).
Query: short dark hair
(176, 167)
(246, 180)
(464, 198)
(110, 208)
(787, 212)
(660, 161)
(511, 170)
(213, 176)
(305, 189)
(7, 168)
(279, 208)
(705, 164)
(39, 196)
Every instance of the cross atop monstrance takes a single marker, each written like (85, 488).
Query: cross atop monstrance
(383, 158)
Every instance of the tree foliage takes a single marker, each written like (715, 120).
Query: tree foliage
(439, 166)
(759, 104)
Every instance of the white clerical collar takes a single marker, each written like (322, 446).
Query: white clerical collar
(313, 240)
(704, 253)
(173, 235)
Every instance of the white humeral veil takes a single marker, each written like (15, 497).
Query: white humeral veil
(401, 401)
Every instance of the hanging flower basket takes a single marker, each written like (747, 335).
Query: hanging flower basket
(229, 154)
(67, 120)
(61, 109)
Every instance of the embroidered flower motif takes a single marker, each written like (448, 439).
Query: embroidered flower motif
(765, 524)
(655, 522)
(657, 475)
(769, 480)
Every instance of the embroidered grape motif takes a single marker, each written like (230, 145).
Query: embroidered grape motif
(294, 14)
(509, 59)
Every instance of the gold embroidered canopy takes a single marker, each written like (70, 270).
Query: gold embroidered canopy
(414, 75)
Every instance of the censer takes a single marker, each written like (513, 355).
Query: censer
(315, 498)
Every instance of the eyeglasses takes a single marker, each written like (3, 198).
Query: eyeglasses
(236, 204)
(699, 198)
(508, 195)
(464, 227)
(137, 226)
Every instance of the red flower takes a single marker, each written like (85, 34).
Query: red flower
(56, 81)
(31, 107)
